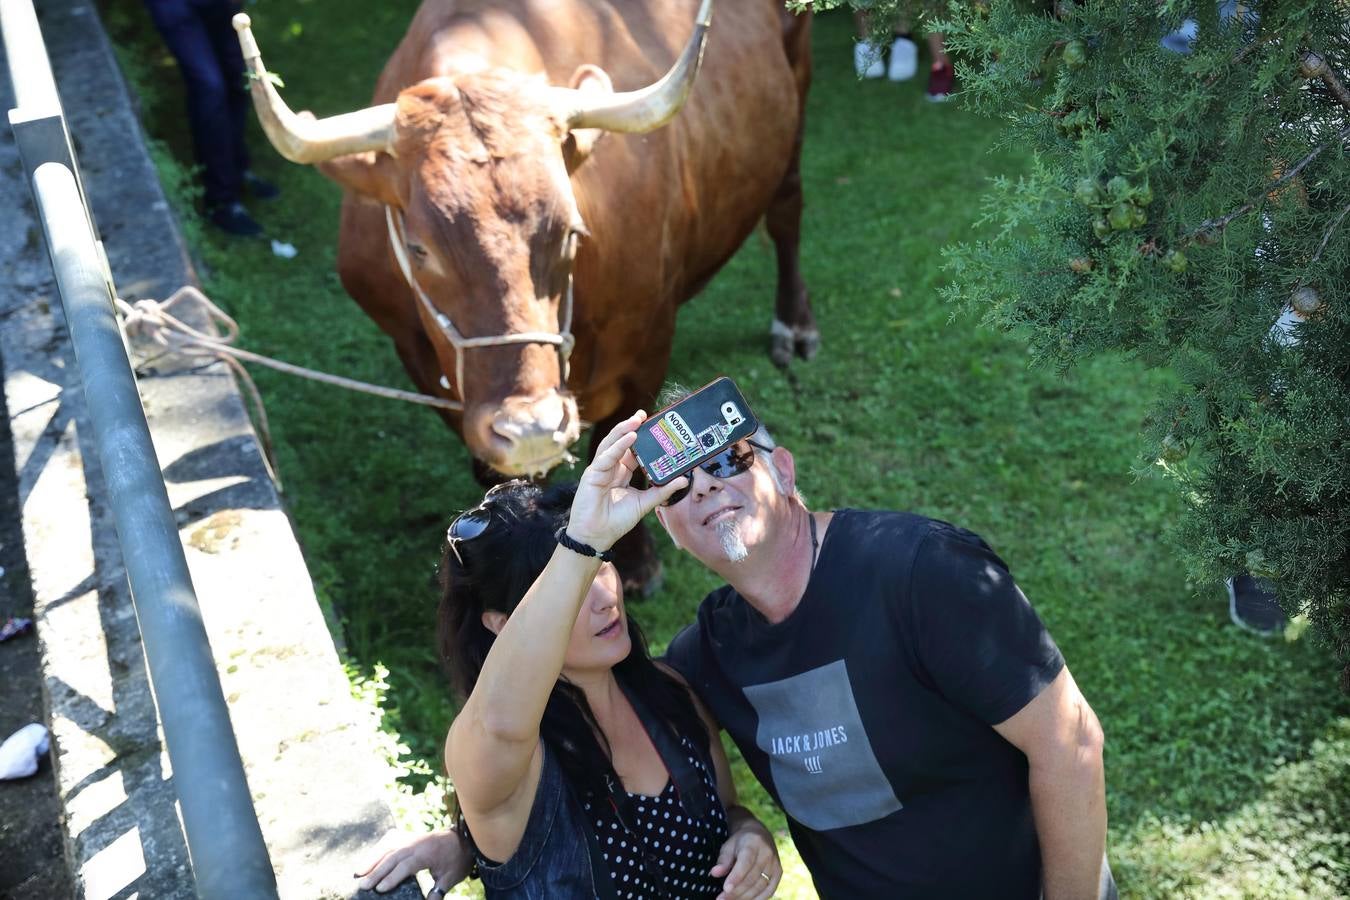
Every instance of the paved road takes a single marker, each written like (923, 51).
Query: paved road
(31, 863)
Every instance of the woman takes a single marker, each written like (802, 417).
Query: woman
(581, 767)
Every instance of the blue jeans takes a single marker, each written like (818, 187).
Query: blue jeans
(202, 40)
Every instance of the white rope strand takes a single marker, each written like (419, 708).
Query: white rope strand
(151, 319)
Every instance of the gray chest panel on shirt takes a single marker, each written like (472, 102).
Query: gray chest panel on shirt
(822, 762)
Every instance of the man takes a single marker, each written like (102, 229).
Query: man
(890, 687)
(893, 690)
(199, 35)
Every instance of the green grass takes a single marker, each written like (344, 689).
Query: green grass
(1228, 758)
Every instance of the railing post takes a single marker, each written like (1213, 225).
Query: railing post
(37, 120)
(229, 858)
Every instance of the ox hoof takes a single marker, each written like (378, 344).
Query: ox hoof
(781, 337)
(807, 343)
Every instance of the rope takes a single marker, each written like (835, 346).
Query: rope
(151, 319)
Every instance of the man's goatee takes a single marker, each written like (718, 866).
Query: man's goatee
(733, 545)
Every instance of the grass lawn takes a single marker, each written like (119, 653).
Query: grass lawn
(1228, 757)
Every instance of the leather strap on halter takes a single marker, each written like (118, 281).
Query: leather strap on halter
(563, 340)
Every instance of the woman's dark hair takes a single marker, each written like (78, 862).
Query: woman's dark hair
(493, 571)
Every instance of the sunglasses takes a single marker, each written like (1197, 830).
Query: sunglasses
(728, 464)
(473, 522)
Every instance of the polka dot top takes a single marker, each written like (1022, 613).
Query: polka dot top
(661, 842)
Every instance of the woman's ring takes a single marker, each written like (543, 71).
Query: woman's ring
(765, 876)
(436, 892)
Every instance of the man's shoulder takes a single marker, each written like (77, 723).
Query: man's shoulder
(718, 601)
(886, 533)
(722, 598)
(901, 525)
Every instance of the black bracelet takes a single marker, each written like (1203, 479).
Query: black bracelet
(576, 546)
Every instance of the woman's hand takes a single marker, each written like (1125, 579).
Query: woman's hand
(605, 507)
(749, 860)
(442, 852)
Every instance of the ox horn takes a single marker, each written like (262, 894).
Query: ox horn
(651, 107)
(304, 139)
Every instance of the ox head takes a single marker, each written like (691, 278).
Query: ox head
(475, 172)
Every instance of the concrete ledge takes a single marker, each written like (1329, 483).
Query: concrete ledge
(317, 781)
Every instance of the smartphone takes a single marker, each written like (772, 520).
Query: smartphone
(676, 439)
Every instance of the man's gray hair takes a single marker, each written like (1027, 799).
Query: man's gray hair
(674, 392)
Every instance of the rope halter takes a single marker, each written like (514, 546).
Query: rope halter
(563, 339)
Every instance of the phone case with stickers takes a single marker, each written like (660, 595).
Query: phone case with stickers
(679, 437)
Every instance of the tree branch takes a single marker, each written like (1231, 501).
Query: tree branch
(1314, 65)
(1326, 237)
(1219, 224)
(1237, 58)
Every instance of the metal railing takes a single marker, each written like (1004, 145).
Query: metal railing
(229, 858)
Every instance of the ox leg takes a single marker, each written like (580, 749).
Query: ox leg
(794, 324)
(635, 553)
(794, 327)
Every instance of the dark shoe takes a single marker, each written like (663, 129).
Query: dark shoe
(1253, 607)
(260, 189)
(941, 83)
(234, 219)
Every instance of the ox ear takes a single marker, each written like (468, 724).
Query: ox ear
(371, 174)
(578, 144)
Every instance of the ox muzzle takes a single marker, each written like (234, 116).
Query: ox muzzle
(523, 436)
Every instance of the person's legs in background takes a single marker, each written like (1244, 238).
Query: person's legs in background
(212, 116)
(867, 56)
(941, 76)
(1253, 606)
(904, 62)
(867, 61)
(217, 17)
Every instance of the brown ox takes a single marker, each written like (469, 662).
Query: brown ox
(485, 201)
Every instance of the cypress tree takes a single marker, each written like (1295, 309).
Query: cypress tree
(1189, 206)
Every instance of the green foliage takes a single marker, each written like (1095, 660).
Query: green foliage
(1292, 838)
(421, 809)
(905, 408)
(1148, 224)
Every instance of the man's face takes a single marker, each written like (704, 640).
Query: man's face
(722, 520)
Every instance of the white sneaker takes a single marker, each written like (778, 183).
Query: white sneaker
(904, 60)
(867, 60)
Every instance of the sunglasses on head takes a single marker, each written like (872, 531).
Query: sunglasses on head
(728, 464)
(473, 522)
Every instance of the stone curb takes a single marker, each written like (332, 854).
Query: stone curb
(317, 781)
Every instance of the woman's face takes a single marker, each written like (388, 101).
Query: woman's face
(600, 636)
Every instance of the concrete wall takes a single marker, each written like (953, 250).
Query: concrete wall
(316, 780)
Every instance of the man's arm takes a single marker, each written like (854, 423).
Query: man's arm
(1062, 741)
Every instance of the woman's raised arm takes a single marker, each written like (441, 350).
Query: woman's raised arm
(492, 749)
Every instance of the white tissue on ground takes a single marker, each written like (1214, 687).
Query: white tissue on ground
(283, 249)
(20, 752)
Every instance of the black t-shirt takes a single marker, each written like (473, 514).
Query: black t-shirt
(867, 712)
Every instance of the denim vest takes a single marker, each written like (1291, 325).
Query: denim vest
(553, 859)
(558, 857)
